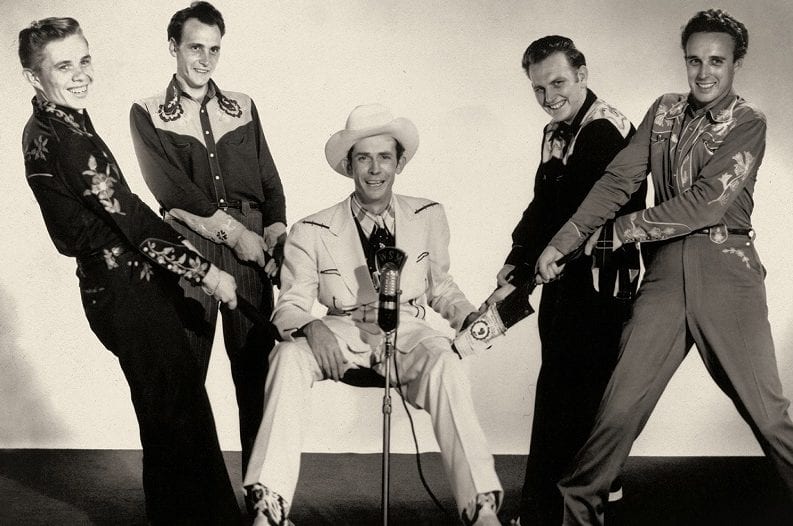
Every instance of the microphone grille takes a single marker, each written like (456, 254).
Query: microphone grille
(389, 281)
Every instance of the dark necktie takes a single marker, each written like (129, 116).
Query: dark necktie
(379, 238)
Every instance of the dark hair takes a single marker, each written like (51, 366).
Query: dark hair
(399, 151)
(34, 38)
(718, 21)
(203, 11)
(544, 47)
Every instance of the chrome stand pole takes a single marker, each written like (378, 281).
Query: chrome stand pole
(389, 352)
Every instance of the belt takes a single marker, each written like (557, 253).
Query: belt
(231, 203)
(749, 232)
(719, 233)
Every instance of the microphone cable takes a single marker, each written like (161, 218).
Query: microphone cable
(415, 439)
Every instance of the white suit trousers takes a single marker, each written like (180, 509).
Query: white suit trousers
(433, 379)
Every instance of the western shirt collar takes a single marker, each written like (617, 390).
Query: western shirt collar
(565, 131)
(76, 119)
(368, 220)
(174, 93)
(718, 110)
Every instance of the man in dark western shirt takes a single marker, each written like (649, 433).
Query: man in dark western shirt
(127, 264)
(204, 156)
(581, 314)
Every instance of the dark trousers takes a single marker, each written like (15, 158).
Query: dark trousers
(698, 292)
(579, 332)
(247, 346)
(134, 310)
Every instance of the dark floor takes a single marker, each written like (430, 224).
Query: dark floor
(68, 487)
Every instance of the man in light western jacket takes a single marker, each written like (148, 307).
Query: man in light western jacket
(329, 256)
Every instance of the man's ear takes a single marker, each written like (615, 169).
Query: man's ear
(401, 164)
(172, 46)
(582, 74)
(32, 78)
(345, 163)
(738, 64)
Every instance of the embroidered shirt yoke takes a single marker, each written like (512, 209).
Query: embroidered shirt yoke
(201, 156)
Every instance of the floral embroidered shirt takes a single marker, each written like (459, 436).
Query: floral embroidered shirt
(704, 163)
(87, 206)
(202, 155)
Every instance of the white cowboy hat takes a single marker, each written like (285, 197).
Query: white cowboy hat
(366, 121)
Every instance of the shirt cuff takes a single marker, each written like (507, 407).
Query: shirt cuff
(567, 239)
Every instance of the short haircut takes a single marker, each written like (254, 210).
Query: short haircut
(544, 47)
(34, 38)
(399, 151)
(204, 12)
(718, 21)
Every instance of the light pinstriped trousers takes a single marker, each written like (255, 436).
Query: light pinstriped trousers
(248, 347)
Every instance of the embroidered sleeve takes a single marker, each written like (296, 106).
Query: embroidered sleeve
(726, 173)
(92, 177)
(275, 211)
(171, 187)
(622, 178)
(176, 258)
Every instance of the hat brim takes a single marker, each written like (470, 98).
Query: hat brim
(340, 142)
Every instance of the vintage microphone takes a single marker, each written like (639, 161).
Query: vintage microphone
(390, 261)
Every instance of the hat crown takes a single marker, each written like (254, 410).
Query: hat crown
(370, 120)
(368, 116)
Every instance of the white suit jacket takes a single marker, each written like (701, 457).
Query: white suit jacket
(324, 260)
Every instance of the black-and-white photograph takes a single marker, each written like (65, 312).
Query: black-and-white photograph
(276, 263)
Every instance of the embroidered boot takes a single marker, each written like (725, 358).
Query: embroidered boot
(482, 510)
(267, 507)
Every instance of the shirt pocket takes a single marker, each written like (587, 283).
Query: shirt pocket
(660, 139)
(660, 142)
(181, 151)
(180, 142)
(238, 149)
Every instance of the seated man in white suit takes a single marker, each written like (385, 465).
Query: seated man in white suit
(329, 256)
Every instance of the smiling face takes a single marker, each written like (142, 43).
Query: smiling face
(197, 55)
(373, 168)
(558, 87)
(65, 72)
(710, 66)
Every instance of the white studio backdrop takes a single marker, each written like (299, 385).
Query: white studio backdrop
(454, 69)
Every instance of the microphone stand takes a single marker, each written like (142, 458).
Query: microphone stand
(390, 344)
(390, 261)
